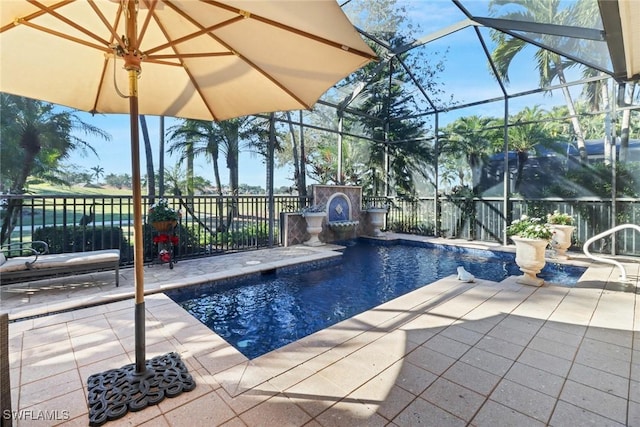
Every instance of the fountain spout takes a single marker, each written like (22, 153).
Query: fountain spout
(339, 215)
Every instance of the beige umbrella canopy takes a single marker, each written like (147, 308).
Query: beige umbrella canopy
(209, 60)
(199, 59)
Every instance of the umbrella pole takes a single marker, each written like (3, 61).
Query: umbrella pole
(138, 257)
(132, 65)
(135, 386)
(146, 382)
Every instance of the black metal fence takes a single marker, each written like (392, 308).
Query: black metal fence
(212, 225)
(484, 219)
(208, 224)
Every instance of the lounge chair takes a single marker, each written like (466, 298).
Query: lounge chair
(35, 264)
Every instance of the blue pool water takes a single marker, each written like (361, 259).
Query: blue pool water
(264, 312)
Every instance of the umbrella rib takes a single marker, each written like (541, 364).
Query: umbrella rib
(282, 26)
(112, 29)
(193, 35)
(114, 36)
(105, 49)
(145, 25)
(186, 69)
(274, 81)
(67, 21)
(238, 54)
(203, 30)
(188, 55)
(35, 15)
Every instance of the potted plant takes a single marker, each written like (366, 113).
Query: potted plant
(376, 216)
(162, 217)
(561, 225)
(314, 215)
(531, 236)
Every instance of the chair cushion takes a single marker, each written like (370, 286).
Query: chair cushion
(70, 260)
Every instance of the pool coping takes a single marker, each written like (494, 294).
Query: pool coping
(124, 292)
(105, 293)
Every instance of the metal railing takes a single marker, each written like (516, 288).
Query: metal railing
(622, 227)
(208, 224)
(485, 219)
(213, 224)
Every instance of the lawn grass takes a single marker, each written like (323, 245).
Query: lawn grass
(76, 190)
(51, 205)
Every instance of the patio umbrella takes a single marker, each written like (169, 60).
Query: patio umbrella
(209, 60)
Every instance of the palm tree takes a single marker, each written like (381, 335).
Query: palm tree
(525, 136)
(549, 64)
(230, 139)
(323, 161)
(454, 171)
(299, 164)
(98, 171)
(469, 136)
(193, 138)
(35, 136)
(197, 137)
(625, 126)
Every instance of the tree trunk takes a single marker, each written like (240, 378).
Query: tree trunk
(475, 163)
(296, 158)
(190, 156)
(270, 157)
(624, 128)
(14, 208)
(232, 164)
(577, 129)
(609, 155)
(31, 145)
(523, 156)
(219, 201)
(151, 179)
(302, 179)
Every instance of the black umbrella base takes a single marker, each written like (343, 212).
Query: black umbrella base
(115, 392)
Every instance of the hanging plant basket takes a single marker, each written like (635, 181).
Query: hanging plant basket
(164, 226)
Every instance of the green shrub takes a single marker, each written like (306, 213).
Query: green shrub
(421, 228)
(253, 235)
(74, 239)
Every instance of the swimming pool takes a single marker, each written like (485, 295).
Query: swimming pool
(264, 312)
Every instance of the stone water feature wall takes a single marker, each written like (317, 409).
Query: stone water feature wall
(293, 225)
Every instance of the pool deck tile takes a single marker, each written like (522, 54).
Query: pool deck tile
(452, 353)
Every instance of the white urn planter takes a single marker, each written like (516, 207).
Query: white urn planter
(561, 239)
(530, 259)
(376, 216)
(314, 227)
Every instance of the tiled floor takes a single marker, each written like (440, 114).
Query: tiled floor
(451, 353)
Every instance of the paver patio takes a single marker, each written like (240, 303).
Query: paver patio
(452, 353)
